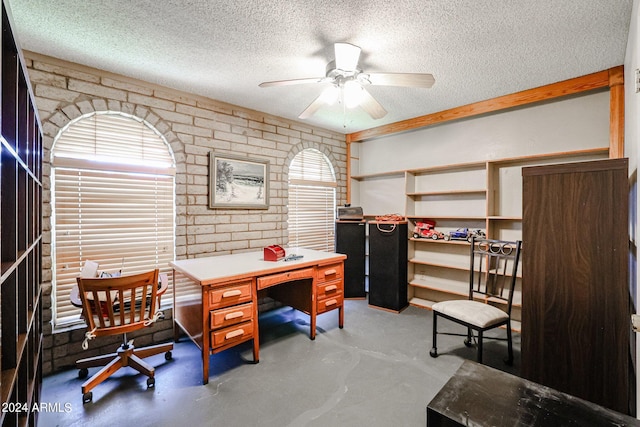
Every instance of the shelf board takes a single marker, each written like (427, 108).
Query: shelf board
(504, 218)
(449, 167)
(422, 303)
(441, 285)
(8, 378)
(10, 266)
(448, 192)
(452, 217)
(21, 342)
(517, 300)
(388, 174)
(557, 155)
(459, 289)
(440, 241)
(435, 264)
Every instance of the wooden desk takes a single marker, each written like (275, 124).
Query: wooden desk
(224, 312)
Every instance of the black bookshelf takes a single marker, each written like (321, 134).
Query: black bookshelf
(350, 238)
(20, 238)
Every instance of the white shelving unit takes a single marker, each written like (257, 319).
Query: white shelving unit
(483, 195)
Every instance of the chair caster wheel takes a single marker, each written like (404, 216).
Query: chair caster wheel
(83, 373)
(168, 356)
(508, 361)
(433, 352)
(151, 382)
(468, 342)
(87, 397)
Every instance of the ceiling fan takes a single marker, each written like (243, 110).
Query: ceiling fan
(348, 83)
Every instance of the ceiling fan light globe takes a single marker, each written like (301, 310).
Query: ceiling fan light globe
(353, 94)
(330, 95)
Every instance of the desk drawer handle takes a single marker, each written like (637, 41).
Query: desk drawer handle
(330, 302)
(330, 288)
(330, 272)
(233, 334)
(233, 315)
(232, 293)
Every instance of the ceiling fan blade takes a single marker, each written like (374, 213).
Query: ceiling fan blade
(312, 108)
(402, 79)
(328, 96)
(347, 56)
(292, 82)
(371, 106)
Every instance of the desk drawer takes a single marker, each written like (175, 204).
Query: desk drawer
(232, 334)
(237, 293)
(330, 289)
(330, 272)
(232, 315)
(287, 276)
(327, 304)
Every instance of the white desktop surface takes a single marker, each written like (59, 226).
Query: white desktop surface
(218, 268)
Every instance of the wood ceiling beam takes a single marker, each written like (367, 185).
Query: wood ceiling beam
(599, 80)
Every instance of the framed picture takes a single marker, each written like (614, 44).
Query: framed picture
(237, 182)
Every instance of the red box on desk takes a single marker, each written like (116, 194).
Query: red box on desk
(273, 253)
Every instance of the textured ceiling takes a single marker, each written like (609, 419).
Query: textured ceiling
(223, 49)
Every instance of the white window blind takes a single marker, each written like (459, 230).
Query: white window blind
(113, 203)
(312, 201)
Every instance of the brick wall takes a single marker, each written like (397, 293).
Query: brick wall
(193, 126)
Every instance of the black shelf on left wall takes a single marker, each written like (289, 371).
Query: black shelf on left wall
(20, 238)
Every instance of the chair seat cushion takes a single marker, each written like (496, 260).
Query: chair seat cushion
(473, 312)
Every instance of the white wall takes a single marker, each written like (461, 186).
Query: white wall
(632, 143)
(575, 123)
(569, 124)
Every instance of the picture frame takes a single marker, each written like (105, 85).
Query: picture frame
(238, 182)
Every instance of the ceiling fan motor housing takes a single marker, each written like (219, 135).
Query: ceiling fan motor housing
(339, 77)
(346, 78)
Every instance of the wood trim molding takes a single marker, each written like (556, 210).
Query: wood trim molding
(598, 80)
(616, 112)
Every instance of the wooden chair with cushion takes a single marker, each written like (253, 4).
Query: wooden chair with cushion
(113, 306)
(492, 280)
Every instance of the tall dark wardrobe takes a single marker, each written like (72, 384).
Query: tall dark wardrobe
(576, 303)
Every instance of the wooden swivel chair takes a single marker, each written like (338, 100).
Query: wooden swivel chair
(492, 279)
(118, 305)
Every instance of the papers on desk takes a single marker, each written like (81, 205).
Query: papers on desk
(90, 269)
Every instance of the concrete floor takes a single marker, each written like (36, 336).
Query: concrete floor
(375, 372)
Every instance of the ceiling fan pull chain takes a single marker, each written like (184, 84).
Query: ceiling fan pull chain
(344, 108)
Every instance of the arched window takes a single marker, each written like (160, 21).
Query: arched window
(312, 201)
(112, 187)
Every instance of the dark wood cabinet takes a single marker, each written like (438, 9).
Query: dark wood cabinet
(20, 237)
(576, 315)
(350, 240)
(388, 265)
